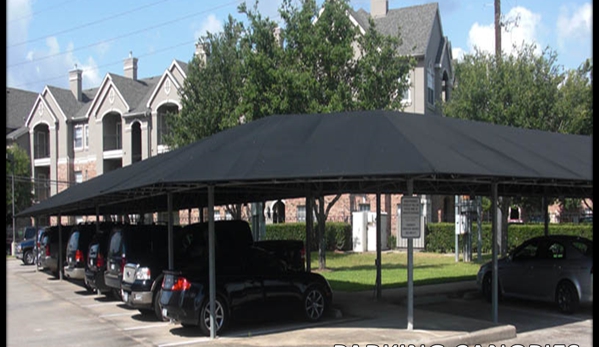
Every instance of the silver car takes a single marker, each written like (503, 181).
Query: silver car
(554, 268)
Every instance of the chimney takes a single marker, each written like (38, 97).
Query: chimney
(202, 51)
(379, 8)
(75, 82)
(131, 67)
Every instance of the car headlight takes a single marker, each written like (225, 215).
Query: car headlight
(19, 248)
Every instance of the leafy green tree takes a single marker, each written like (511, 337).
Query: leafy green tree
(212, 91)
(17, 164)
(526, 90)
(308, 65)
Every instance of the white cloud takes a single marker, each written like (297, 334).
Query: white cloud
(457, 53)
(574, 24)
(211, 24)
(521, 27)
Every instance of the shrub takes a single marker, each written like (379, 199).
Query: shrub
(337, 235)
(440, 237)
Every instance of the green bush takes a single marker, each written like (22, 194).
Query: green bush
(440, 237)
(337, 235)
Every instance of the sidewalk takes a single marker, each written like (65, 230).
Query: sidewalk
(361, 320)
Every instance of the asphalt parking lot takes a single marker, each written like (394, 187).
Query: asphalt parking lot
(44, 311)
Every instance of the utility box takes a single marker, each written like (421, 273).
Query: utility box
(364, 231)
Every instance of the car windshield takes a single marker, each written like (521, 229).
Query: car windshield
(585, 247)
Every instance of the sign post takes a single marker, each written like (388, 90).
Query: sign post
(410, 229)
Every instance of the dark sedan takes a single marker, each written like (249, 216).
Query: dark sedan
(555, 268)
(252, 278)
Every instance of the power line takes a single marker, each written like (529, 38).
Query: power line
(89, 24)
(125, 35)
(40, 11)
(108, 64)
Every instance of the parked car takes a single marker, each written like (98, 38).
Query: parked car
(26, 249)
(247, 277)
(554, 268)
(44, 239)
(147, 256)
(95, 265)
(51, 255)
(77, 250)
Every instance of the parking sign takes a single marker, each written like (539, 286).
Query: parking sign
(410, 217)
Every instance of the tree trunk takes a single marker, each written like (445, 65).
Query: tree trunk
(234, 211)
(322, 214)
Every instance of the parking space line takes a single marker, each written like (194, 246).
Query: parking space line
(147, 326)
(114, 315)
(102, 304)
(200, 340)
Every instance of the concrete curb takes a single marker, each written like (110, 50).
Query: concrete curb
(495, 334)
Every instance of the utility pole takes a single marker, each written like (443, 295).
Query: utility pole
(498, 29)
(11, 158)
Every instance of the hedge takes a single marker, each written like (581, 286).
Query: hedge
(440, 237)
(338, 235)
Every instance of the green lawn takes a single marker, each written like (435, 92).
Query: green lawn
(357, 271)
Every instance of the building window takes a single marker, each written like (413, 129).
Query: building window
(86, 136)
(228, 216)
(42, 187)
(430, 84)
(301, 213)
(78, 137)
(118, 135)
(163, 129)
(78, 177)
(42, 147)
(364, 207)
(216, 215)
(406, 98)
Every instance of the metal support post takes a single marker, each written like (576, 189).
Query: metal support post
(410, 270)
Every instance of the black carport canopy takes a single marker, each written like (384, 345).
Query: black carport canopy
(286, 156)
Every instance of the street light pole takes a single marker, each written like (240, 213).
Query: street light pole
(12, 176)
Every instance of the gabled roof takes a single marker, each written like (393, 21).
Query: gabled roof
(134, 91)
(18, 105)
(414, 23)
(182, 65)
(66, 101)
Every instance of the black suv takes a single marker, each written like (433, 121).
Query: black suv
(135, 244)
(95, 265)
(77, 250)
(147, 256)
(51, 255)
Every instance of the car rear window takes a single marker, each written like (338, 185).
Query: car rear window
(73, 241)
(115, 244)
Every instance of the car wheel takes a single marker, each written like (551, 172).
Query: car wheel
(221, 316)
(314, 304)
(117, 294)
(566, 297)
(157, 308)
(28, 258)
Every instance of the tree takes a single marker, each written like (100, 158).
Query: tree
(308, 65)
(17, 164)
(526, 90)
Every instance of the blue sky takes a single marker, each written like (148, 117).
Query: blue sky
(47, 38)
